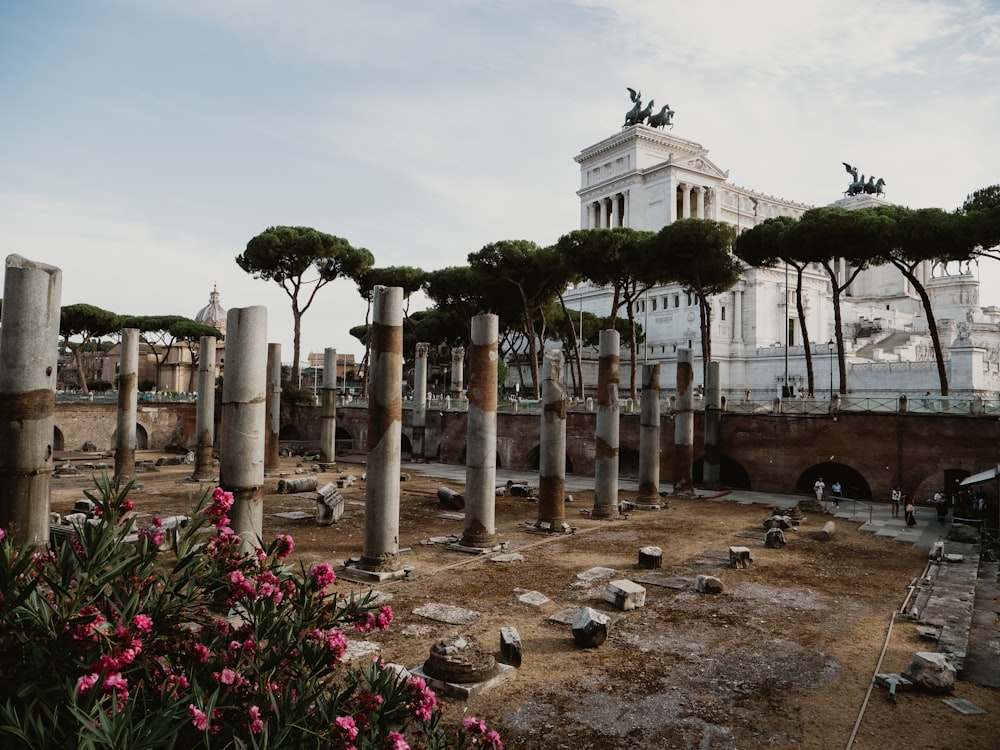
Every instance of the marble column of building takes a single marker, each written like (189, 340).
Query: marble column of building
(457, 371)
(481, 435)
(273, 406)
(380, 553)
(128, 405)
(244, 421)
(684, 423)
(604, 213)
(606, 450)
(627, 215)
(649, 436)
(419, 418)
(205, 417)
(328, 408)
(737, 333)
(614, 211)
(701, 201)
(552, 446)
(29, 339)
(685, 200)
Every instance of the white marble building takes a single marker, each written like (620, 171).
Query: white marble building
(645, 178)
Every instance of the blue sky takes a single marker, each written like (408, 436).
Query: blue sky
(145, 142)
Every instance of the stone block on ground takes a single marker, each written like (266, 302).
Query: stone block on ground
(739, 557)
(650, 558)
(329, 505)
(590, 628)
(931, 671)
(299, 484)
(448, 613)
(448, 498)
(511, 648)
(625, 595)
(707, 584)
(775, 538)
(826, 533)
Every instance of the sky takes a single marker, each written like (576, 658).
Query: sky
(143, 143)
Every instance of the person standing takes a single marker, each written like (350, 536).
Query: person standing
(895, 498)
(941, 504)
(836, 490)
(818, 489)
(909, 511)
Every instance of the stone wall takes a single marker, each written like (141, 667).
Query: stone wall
(162, 425)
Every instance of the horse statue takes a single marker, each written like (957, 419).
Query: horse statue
(644, 113)
(662, 118)
(874, 187)
(856, 188)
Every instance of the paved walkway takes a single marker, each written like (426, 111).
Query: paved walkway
(961, 600)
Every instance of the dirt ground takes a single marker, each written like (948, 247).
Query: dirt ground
(783, 658)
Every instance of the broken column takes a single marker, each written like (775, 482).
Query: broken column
(380, 553)
(29, 339)
(205, 419)
(457, 365)
(128, 405)
(552, 448)
(481, 441)
(606, 458)
(244, 418)
(684, 424)
(711, 466)
(273, 406)
(419, 414)
(328, 411)
(649, 437)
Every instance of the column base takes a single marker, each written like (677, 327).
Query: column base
(605, 512)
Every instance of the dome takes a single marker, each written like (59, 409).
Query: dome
(213, 314)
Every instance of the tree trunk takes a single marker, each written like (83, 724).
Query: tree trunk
(633, 390)
(705, 315)
(77, 355)
(810, 374)
(577, 346)
(907, 271)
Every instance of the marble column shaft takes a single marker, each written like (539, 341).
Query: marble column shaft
(552, 440)
(244, 420)
(205, 418)
(684, 422)
(420, 399)
(272, 440)
(29, 341)
(385, 417)
(328, 409)
(481, 435)
(606, 454)
(457, 367)
(128, 405)
(711, 466)
(649, 435)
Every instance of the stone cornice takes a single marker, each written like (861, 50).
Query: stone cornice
(635, 133)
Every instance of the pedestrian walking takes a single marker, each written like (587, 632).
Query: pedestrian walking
(837, 491)
(909, 510)
(818, 489)
(941, 504)
(895, 498)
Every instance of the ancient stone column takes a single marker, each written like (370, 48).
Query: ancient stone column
(128, 405)
(328, 411)
(244, 420)
(205, 419)
(481, 435)
(606, 456)
(552, 448)
(271, 442)
(420, 399)
(385, 418)
(29, 340)
(649, 436)
(457, 365)
(684, 423)
(711, 466)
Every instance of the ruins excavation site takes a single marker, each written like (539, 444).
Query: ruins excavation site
(784, 656)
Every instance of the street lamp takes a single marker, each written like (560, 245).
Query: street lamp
(830, 346)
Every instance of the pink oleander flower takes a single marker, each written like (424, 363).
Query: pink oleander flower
(398, 741)
(472, 724)
(226, 676)
(86, 682)
(143, 622)
(116, 682)
(202, 652)
(256, 723)
(347, 726)
(322, 575)
(424, 698)
(2, 534)
(198, 717)
(493, 737)
(384, 617)
(285, 546)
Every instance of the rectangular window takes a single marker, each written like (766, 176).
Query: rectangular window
(722, 313)
(677, 300)
(654, 304)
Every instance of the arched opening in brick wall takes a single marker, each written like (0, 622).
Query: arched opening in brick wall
(855, 487)
(141, 438)
(289, 432)
(343, 441)
(628, 462)
(731, 473)
(58, 441)
(405, 446)
(535, 460)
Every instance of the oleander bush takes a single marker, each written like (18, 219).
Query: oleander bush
(120, 637)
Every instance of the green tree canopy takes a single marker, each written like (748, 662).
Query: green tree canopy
(301, 261)
(696, 254)
(88, 323)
